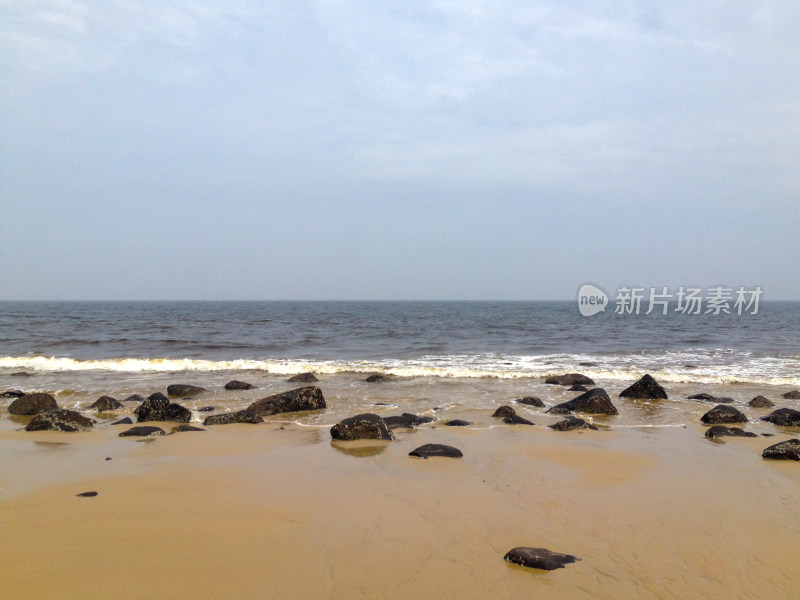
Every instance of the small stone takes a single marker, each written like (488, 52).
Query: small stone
(377, 378)
(406, 420)
(366, 426)
(503, 412)
(181, 390)
(239, 385)
(303, 378)
(531, 401)
(135, 398)
(106, 403)
(207, 409)
(142, 431)
(571, 423)
(431, 450)
(539, 558)
(761, 402)
(570, 379)
(182, 428)
(86, 494)
(793, 395)
(704, 397)
(457, 423)
(240, 416)
(515, 419)
(125, 421)
(721, 430)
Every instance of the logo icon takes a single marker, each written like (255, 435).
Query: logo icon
(591, 300)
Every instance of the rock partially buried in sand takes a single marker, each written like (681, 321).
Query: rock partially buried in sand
(303, 378)
(366, 426)
(539, 558)
(105, 403)
(240, 416)
(786, 417)
(239, 385)
(158, 408)
(646, 388)
(571, 423)
(722, 414)
(181, 390)
(377, 378)
(793, 395)
(503, 412)
(135, 398)
(703, 396)
(406, 420)
(531, 401)
(761, 402)
(32, 404)
(86, 495)
(60, 420)
(570, 379)
(788, 450)
(515, 419)
(125, 421)
(142, 431)
(431, 450)
(12, 394)
(593, 402)
(301, 399)
(182, 428)
(457, 423)
(721, 431)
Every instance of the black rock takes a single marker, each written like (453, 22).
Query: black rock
(303, 378)
(647, 388)
(704, 397)
(788, 450)
(21, 374)
(125, 421)
(207, 409)
(406, 420)
(32, 404)
(761, 402)
(134, 398)
(431, 450)
(721, 430)
(240, 416)
(304, 398)
(722, 414)
(793, 395)
(181, 428)
(457, 423)
(503, 412)
(539, 558)
(239, 385)
(531, 401)
(104, 403)
(86, 494)
(12, 394)
(361, 427)
(158, 408)
(570, 379)
(60, 420)
(515, 419)
(593, 402)
(578, 388)
(571, 423)
(787, 417)
(181, 390)
(377, 378)
(142, 431)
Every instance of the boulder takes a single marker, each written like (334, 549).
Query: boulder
(571, 423)
(304, 398)
(207, 409)
(431, 450)
(134, 398)
(787, 417)
(788, 450)
(793, 395)
(303, 378)
(32, 404)
(184, 427)
(531, 401)
(181, 390)
(647, 388)
(578, 388)
(570, 379)
(723, 414)
(539, 558)
(158, 408)
(125, 421)
(761, 402)
(406, 420)
(104, 403)
(12, 394)
(457, 423)
(240, 416)
(60, 420)
(593, 402)
(721, 430)
(142, 431)
(704, 397)
(239, 385)
(503, 412)
(366, 426)
(515, 419)
(377, 378)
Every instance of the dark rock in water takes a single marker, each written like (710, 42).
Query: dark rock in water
(239, 385)
(240, 416)
(431, 450)
(788, 450)
(125, 421)
(134, 398)
(578, 388)
(181, 428)
(722, 414)
(704, 397)
(721, 430)
(303, 378)
(181, 390)
(647, 388)
(457, 423)
(406, 420)
(793, 395)
(207, 409)
(142, 431)
(158, 408)
(724, 400)
(86, 494)
(32, 404)
(593, 402)
(571, 423)
(787, 417)
(60, 420)
(761, 402)
(377, 378)
(587, 364)
(12, 394)
(104, 403)
(531, 401)
(304, 398)
(570, 379)
(21, 374)
(503, 412)
(515, 419)
(361, 427)
(539, 558)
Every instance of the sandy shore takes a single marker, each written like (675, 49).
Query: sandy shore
(261, 511)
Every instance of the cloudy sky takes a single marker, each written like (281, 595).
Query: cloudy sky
(354, 149)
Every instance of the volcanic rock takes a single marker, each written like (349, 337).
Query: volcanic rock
(12, 394)
(366, 426)
(86, 494)
(571, 423)
(788, 450)
(457, 423)
(239, 385)
(240, 416)
(722, 414)
(761, 402)
(158, 408)
(181, 428)
(142, 431)
(503, 412)
(704, 397)
(304, 398)
(431, 450)
(793, 395)
(60, 420)
(32, 404)
(181, 390)
(570, 379)
(539, 558)
(515, 419)
(377, 378)
(303, 378)
(788, 417)
(104, 403)
(125, 421)
(531, 401)
(406, 420)
(134, 398)
(647, 388)
(721, 430)
(578, 388)
(593, 402)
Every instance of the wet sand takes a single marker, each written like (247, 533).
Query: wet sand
(260, 511)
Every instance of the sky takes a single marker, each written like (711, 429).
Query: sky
(349, 149)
